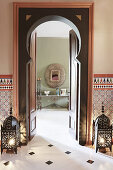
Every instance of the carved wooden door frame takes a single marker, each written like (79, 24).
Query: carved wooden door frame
(90, 6)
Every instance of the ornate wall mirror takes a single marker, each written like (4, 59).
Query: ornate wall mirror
(55, 75)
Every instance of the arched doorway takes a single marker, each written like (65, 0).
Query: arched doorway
(82, 15)
(74, 72)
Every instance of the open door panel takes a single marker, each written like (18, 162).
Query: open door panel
(74, 87)
(32, 87)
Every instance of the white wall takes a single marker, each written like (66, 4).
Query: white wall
(103, 35)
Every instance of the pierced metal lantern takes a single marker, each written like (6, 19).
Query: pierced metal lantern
(10, 134)
(103, 132)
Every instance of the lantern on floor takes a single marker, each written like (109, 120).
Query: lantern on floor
(10, 133)
(103, 132)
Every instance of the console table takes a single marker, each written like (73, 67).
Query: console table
(48, 101)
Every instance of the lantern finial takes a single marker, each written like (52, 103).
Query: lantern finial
(10, 110)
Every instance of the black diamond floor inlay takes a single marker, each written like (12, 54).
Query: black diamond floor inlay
(6, 163)
(50, 145)
(31, 153)
(67, 152)
(90, 161)
(49, 162)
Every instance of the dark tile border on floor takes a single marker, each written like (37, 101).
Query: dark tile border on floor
(31, 153)
(50, 145)
(49, 162)
(67, 152)
(90, 161)
(6, 163)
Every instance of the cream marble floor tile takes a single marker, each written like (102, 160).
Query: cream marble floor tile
(52, 128)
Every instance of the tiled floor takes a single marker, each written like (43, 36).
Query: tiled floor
(65, 154)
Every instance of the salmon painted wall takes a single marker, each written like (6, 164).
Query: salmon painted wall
(103, 35)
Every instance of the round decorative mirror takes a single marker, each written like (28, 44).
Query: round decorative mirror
(55, 75)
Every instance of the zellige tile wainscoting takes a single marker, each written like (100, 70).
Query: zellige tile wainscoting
(102, 92)
(6, 87)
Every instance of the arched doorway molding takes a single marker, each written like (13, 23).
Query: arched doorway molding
(70, 7)
(76, 88)
(54, 18)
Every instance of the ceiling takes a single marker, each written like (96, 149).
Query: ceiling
(53, 29)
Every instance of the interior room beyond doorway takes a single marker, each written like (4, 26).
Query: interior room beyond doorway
(52, 55)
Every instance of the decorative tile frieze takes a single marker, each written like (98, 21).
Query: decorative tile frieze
(6, 87)
(103, 86)
(6, 82)
(105, 81)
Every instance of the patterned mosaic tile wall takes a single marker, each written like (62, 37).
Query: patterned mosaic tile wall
(103, 92)
(6, 87)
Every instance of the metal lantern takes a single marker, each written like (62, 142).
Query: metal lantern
(103, 132)
(10, 133)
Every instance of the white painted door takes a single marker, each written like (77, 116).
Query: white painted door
(74, 111)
